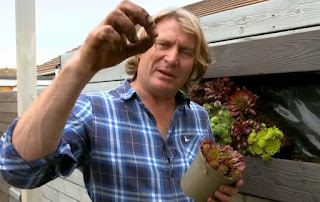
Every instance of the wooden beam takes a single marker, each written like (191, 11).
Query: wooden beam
(266, 17)
(3, 128)
(8, 107)
(7, 117)
(26, 65)
(290, 51)
(8, 96)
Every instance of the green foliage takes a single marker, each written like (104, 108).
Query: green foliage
(266, 142)
(221, 121)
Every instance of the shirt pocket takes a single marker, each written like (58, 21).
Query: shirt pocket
(190, 145)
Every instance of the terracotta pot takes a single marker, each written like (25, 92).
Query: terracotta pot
(200, 181)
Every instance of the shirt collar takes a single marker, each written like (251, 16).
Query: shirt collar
(126, 92)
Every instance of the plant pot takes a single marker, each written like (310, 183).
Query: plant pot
(200, 181)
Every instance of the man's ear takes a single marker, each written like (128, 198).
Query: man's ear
(138, 56)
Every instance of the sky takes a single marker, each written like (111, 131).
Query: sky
(62, 25)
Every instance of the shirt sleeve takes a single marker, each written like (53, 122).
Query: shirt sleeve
(72, 152)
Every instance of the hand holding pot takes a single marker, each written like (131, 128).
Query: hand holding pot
(213, 173)
(225, 192)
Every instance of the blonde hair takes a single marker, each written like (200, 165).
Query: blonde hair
(189, 24)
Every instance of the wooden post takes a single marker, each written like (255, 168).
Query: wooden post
(26, 69)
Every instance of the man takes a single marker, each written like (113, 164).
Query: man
(132, 143)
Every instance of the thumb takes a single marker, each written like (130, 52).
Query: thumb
(140, 47)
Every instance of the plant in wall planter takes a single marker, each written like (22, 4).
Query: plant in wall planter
(266, 142)
(221, 121)
(233, 118)
(213, 166)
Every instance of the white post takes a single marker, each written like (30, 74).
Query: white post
(26, 69)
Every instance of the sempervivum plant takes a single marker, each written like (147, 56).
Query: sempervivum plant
(218, 89)
(221, 120)
(240, 131)
(241, 102)
(224, 159)
(266, 142)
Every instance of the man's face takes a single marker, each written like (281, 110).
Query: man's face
(167, 65)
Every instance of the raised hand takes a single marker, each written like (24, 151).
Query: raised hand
(115, 38)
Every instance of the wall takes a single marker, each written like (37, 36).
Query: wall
(8, 112)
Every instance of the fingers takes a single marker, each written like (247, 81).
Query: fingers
(210, 199)
(139, 16)
(225, 193)
(115, 38)
(239, 183)
(124, 18)
(122, 24)
(231, 191)
(219, 196)
(105, 34)
(139, 47)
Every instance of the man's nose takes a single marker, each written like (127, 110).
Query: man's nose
(172, 56)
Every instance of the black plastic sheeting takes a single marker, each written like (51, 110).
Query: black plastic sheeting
(293, 102)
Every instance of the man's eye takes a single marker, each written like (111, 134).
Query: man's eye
(161, 44)
(186, 52)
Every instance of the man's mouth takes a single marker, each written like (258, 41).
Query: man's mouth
(165, 73)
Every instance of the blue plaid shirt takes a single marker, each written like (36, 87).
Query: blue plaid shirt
(112, 137)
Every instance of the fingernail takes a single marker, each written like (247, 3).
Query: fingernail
(154, 32)
(221, 188)
(149, 19)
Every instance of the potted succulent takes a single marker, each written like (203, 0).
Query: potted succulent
(214, 165)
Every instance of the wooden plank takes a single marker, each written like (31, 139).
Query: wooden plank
(8, 96)
(46, 200)
(70, 189)
(51, 194)
(3, 128)
(261, 18)
(290, 51)
(102, 86)
(26, 69)
(76, 177)
(4, 198)
(7, 117)
(4, 187)
(247, 198)
(9, 107)
(282, 180)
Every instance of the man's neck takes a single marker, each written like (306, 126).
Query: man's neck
(155, 100)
